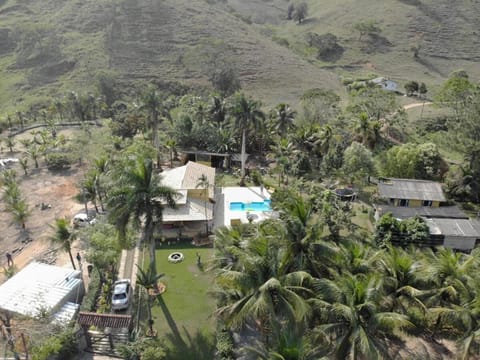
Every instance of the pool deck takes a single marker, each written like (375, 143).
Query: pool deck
(226, 217)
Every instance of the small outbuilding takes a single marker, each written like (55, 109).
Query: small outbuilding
(459, 234)
(41, 288)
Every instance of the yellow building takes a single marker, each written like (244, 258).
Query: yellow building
(411, 192)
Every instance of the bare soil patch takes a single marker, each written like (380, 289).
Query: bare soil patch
(58, 190)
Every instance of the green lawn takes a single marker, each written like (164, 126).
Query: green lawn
(188, 306)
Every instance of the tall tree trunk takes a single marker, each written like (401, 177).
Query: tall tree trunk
(149, 239)
(206, 215)
(99, 194)
(243, 159)
(71, 259)
(85, 202)
(156, 142)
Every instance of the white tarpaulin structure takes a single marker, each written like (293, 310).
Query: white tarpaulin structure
(41, 287)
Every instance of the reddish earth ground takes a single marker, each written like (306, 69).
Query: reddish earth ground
(58, 189)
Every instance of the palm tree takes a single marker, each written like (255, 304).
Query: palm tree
(89, 191)
(283, 117)
(447, 273)
(290, 341)
(204, 184)
(301, 231)
(282, 151)
(398, 269)
(171, 145)
(256, 291)
(152, 102)
(138, 196)
(148, 279)
(24, 164)
(20, 212)
(350, 313)
(218, 110)
(63, 237)
(25, 142)
(101, 167)
(34, 153)
(247, 113)
(10, 142)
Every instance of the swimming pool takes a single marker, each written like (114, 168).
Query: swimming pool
(252, 206)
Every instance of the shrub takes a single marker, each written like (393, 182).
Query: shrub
(90, 299)
(59, 346)
(58, 161)
(224, 345)
(256, 177)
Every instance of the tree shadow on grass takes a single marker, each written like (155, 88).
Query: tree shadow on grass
(171, 322)
(200, 346)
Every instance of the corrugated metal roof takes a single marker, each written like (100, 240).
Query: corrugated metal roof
(454, 227)
(39, 287)
(115, 321)
(66, 313)
(399, 212)
(411, 189)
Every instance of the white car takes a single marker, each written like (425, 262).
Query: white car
(122, 292)
(82, 219)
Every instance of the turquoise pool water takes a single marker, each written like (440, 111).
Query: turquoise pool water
(253, 206)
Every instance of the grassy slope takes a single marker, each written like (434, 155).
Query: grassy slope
(445, 30)
(169, 39)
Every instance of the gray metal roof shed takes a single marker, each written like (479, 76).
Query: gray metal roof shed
(411, 189)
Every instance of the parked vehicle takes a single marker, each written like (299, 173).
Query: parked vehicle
(82, 220)
(122, 293)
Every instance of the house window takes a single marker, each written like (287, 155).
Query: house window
(403, 202)
(427, 203)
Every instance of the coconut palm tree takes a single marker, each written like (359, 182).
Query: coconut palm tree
(148, 280)
(89, 191)
(24, 164)
(257, 292)
(398, 269)
(246, 113)
(152, 103)
(282, 151)
(303, 250)
(20, 212)
(34, 152)
(171, 145)
(203, 183)
(100, 169)
(10, 142)
(63, 237)
(351, 316)
(218, 109)
(290, 341)
(446, 273)
(283, 117)
(138, 196)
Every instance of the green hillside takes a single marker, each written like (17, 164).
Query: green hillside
(50, 47)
